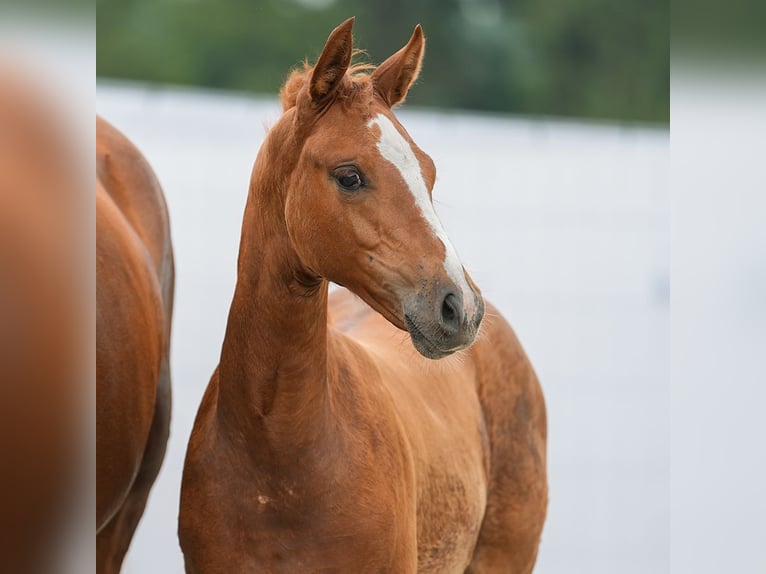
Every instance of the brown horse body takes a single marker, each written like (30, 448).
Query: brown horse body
(326, 441)
(44, 341)
(134, 299)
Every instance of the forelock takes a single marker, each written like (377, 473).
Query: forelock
(356, 84)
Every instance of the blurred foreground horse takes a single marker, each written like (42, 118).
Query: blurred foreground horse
(134, 302)
(326, 441)
(45, 295)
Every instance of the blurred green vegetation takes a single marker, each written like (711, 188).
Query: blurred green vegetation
(586, 58)
(716, 33)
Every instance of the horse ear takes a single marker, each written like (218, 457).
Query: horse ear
(333, 63)
(393, 78)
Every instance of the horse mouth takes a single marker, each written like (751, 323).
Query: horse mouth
(424, 345)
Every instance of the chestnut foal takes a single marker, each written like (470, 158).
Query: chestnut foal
(325, 440)
(134, 304)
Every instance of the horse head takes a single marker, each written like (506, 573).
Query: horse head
(357, 200)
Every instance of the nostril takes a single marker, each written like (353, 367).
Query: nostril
(450, 312)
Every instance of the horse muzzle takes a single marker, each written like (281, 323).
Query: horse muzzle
(440, 326)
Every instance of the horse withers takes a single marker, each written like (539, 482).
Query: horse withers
(134, 303)
(330, 438)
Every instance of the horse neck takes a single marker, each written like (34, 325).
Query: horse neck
(274, 358)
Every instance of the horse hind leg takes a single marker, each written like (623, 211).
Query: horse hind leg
(513, 521)
(517, 494)
(113, 540)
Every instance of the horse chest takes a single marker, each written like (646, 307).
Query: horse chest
(450, 511)
(294, 532)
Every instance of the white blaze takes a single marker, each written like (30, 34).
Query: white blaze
(394, 148)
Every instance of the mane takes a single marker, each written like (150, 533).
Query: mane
(356, 84)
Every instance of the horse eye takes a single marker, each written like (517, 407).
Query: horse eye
(348, 178)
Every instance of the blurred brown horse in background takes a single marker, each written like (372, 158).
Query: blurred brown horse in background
(326, 440)
(134, 304)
